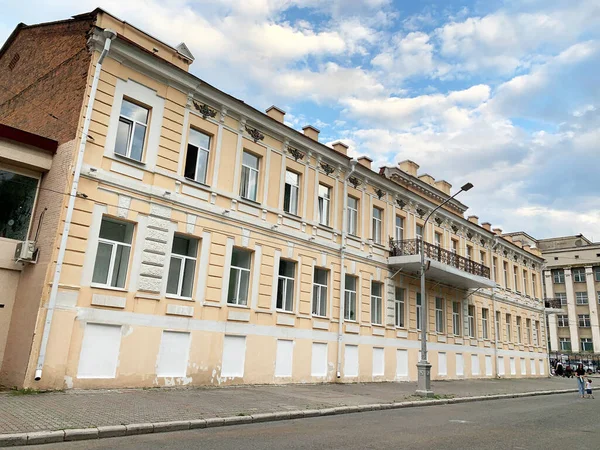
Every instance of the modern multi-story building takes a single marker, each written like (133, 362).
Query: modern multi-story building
(210, 243)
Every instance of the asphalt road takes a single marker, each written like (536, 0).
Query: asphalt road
(546, 422)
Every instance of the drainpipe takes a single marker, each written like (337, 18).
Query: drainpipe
(109, 35)
(494, 308)
(343, 271)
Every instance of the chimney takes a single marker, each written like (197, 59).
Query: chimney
(427, 179)
(487, 226)
(473, 219)
(275, 113)
(443, 186)
(340, 147)
(498, 231)
(408, 166)
(311, 132)
(365, 161)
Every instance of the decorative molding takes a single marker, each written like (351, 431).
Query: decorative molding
(254, 134)
(401, 203)
(438, 220)
(354, 182)
(421, 212)
(204, 109)
(327, 168)
(454, 228)
(380, 193)
(296, 154)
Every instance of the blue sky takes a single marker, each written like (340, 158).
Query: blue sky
(504, 94)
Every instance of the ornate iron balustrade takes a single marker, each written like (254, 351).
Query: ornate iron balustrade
(433, 252)
(553, 303)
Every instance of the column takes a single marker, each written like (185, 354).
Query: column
(593, 304)
(548, 284)
(553, 330)
(573, 322)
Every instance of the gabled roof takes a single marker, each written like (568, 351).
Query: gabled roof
(183, 50)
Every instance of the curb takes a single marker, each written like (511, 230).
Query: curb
(46, 437)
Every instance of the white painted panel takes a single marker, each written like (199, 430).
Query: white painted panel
(460, 365)
(533, 368)
(523, 367)
(542, 367)
(378, 362)
(284, 358)
(474, 364)
(234, 355)
(173, 354)
(318, 367)
(351, 360)
(513, 366)
(488, 366)
(99, 351)
(442, 364)
(501, 368)
(401, 363)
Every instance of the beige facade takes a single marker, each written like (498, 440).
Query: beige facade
(215, 245)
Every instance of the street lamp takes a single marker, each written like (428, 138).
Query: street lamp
(423, 367)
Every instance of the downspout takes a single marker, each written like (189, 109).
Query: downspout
(109, 36)
(496, 331)
(342, 270)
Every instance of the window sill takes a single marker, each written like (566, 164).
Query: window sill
(177, 297)
(248, 201)
(326, 227)
(283, 311)
(127, 159)
(195, 183)
(316, 316)
(379, 245)
(350, 321)
(292, 216)
(107, 288)
(234, 305)
(378, 325)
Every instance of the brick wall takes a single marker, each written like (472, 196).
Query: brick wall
(43, 91)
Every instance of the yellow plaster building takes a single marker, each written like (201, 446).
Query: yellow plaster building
(211, 244)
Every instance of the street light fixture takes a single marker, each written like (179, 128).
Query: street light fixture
(423, 366)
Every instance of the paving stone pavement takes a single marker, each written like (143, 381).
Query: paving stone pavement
(92, 408)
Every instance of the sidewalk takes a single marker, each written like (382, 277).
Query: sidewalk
(84, 409)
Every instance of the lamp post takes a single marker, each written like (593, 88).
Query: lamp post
(423, 366)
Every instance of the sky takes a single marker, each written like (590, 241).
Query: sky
(503, 94)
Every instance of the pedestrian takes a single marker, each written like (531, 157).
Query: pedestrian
(559, 370)
(588, 388)
(579, 373)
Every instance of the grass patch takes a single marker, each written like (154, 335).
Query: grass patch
(26, 391)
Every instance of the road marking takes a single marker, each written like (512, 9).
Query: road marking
(459, 421)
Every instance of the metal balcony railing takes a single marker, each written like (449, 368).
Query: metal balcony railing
(553, 303)
(433, 252)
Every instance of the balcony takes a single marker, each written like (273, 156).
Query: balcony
(552, 305)
(444, 266)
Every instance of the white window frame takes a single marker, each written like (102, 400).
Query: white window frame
(236, 271)
(565, 340)
(516, 278)
(587, 341)
(508, 319)
(199, 148)
(485, 313)
(417, 234)
(538, 332)
(495, 268)
(519, 330)
(294, 193)
(132, 127)
(350, 298)
(324, 202)
(583, 319)
(472, 324)
(185, 260)
(497, 324)
(533, 286)
(505, 271)
(31, 174)
(528, 331)
(562, 296)
(558, 276)
(440, 305)
(288, 286)
(456, 318)
(376, 304)
(437, 238)
(114, 245)
(377, 224)
(581, 298)
(400, 307)
(469, 252)
(246, 188)
(578, 274)
(352, 216)
(319, 304)
(562, 320)
(399, 228)
(525, 282)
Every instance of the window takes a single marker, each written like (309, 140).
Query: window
(525, 282)
(579, 275)
(399, 228)
(494, 265)
(239, 277)
(505, 267)
(482, 257)
(469, 253)
(562, 320)
(18, 196)
(519, 331)
(497, 330)
(324, 204)
(515, 278)
(291, 192)
(485, 313)
(419, 310)
(352, 216)
(249, 185)
(350, 298)
(584, 320)
(559, 276)
(439, 314)
(456, 319)
(533, 286)
(471, 320)
(508, 328)
(528, 331)
(419, 231)
(438, 239)
(319, 306)
(196, 160)
(377, 222)
(285, 285)
(399, 307)
(587, 345)
(112, 257)
(598, 294)
(565, 344)
(182, 268)
(454, 246)
(131, 132)
(597, 271)
(376, 302)
(581, 298)
(563, 298)
(538, 332)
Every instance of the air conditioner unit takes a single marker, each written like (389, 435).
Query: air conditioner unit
(25, 251)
